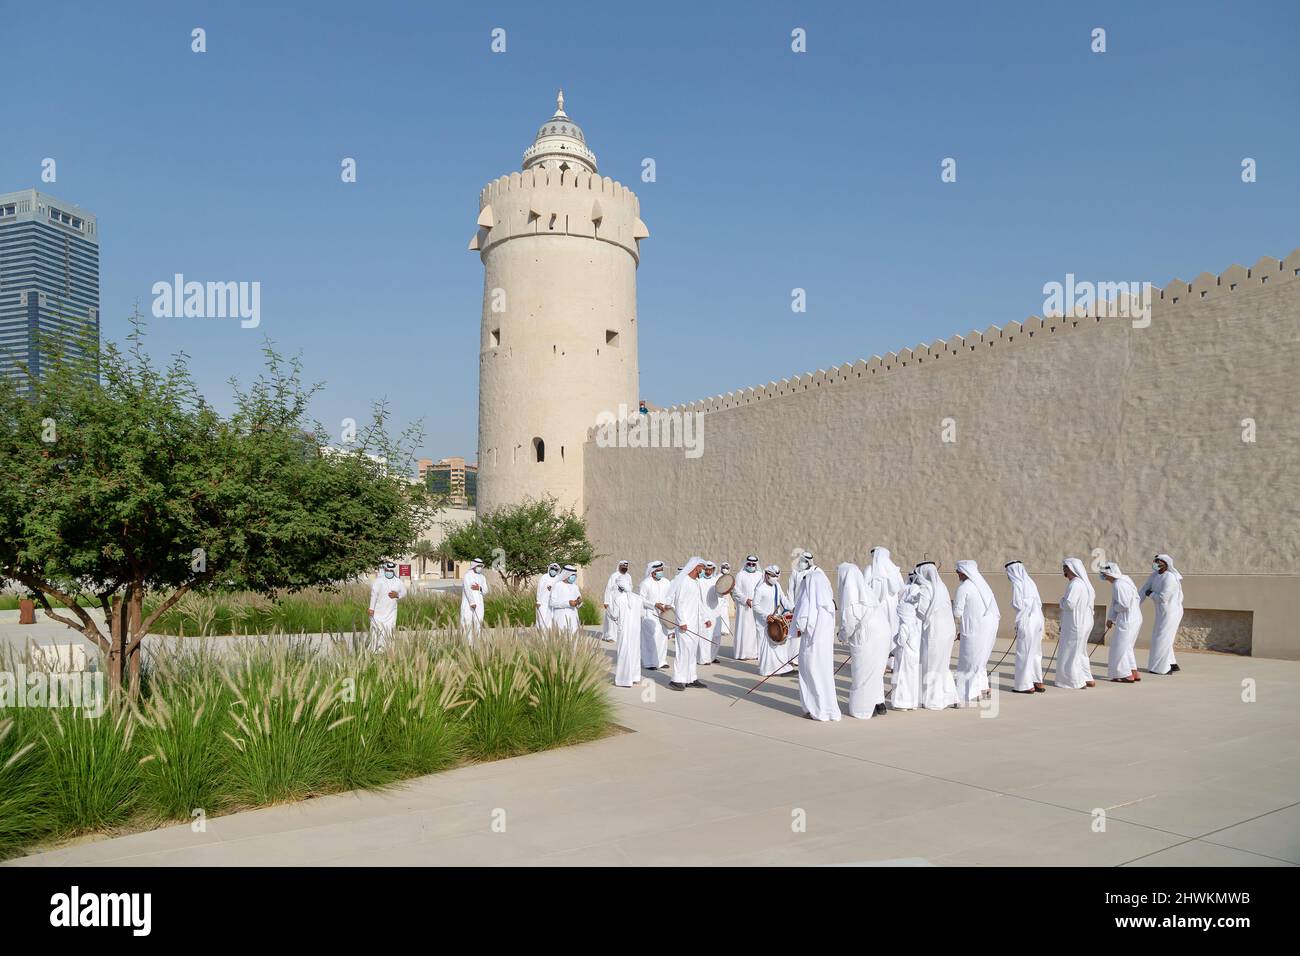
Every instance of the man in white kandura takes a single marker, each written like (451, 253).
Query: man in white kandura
(907, 648)
(1028, 606)
(885, 579)
(747, 631)
(543, 598)
(620, 578)
(710, 641)
(1073, 668)
(473, 589)
(938, 631)
(1125, 615)
(726, 611)
(385, 592)
(625, 610)
(1165, 588)
(687, 598)
(977, 609)
(864, 627)
(802, 564)
(814, 623)
(654, 597)
(770, 598)
(565, 600)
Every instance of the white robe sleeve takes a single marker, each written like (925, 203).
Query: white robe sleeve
(374, 593)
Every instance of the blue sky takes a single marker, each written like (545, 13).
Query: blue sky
(775, 170)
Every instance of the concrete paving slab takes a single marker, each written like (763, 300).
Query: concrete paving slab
(701, 782)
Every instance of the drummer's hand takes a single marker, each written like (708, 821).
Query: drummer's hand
(748, 603)
(789, 615)
(1109, 625)
(708, 623)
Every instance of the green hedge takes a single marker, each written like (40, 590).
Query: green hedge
(280, 719)
(339, 612)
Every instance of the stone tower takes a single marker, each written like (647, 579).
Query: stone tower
(560, 248)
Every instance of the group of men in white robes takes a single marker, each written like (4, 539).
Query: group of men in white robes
(888, 624)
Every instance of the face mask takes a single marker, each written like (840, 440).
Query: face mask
(1155, 567)
(751, 567)
(555, 574)
(804, 564)
(389, 574)
(573, 578)
(658, 575)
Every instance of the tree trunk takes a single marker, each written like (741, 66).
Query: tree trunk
(134, 607)
(118, 636)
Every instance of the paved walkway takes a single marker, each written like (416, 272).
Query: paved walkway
(1185, 772)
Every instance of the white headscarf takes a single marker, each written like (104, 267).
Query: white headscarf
(1075, 565)
(881, 568)
(928, 576)
(650, 568)
(972, 572)
(682, 575)
(856, 599)
(1169, 563)
(1024, 592)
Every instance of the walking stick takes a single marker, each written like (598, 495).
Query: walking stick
(764, 681)
(679, 627)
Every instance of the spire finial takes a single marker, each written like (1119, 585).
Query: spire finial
(559, 102)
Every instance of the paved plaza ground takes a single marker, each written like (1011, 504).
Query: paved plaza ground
(1184, 771)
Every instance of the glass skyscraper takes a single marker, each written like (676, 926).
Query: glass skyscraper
(49, 279)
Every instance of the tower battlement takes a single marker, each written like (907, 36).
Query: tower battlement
(542, 201)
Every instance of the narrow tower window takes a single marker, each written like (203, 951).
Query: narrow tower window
(611, 338)
(539, 450)
(495, 338)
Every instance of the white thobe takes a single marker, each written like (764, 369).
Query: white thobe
(617, 579)
(979, 631)
(868, 637)
(471, 601)
(772, 658)
(563, 616)
(747, 631)
(625, 609)
(384, 620)
(814, 619)
(1029, 642)
(938, 631)
(707, 650)
(543, 600)
(907, 653)
(1073, 669)
(1167, 595)
(691, 616)
(1125, 612)
(654, 639)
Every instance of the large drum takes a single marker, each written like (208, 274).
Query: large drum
(725, 583)
(778, 628)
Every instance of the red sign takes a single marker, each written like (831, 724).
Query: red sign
(403, 570)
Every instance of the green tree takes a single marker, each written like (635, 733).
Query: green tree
(122, 482)
(520, 541)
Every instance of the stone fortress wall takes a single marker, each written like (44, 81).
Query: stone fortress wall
(559, 337)
(1073, 435)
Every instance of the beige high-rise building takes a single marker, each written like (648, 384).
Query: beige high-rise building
(560, 247)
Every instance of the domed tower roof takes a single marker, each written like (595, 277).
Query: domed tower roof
(560, 144)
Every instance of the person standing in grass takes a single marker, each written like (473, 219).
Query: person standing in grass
(565, 601)
(387, 590)
(543, 599)
(473, 591)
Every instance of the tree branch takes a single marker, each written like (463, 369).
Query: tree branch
(164, 608)
(87, 627)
